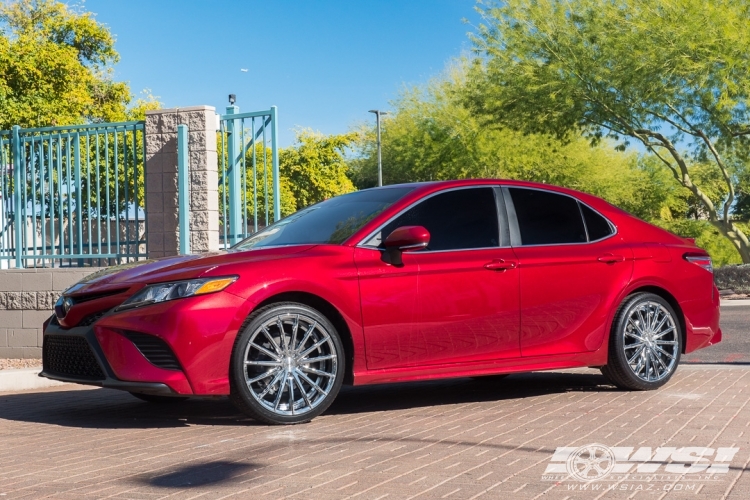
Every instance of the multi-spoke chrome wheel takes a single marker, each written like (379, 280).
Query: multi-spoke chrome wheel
(290, 364)
(289, 361)
(646, 343)
(650, 341)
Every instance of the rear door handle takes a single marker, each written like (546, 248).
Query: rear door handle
(611, 259)
(500, 265)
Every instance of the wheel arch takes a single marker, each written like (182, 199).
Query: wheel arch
(672, 301)
(329, 311)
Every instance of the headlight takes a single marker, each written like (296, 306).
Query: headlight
(163, 292)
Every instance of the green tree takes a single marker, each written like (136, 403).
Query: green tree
(671, 75)
(55, 68)
(431, 135)
(312, 169)
(315, 167)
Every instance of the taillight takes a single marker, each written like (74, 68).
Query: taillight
(700, 260)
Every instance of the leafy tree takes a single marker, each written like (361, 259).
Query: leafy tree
(431, 135)
(310, 170)
(55, 68)
(315, 167)
(670, 75)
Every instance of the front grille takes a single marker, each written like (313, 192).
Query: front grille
(155, 350)
(70, 356)
(97, 295)
(91, 318)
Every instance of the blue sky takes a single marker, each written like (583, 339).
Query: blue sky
(324, 63)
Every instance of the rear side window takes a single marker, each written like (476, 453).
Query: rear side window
(596, 225)
(457, 220)
(546, 218)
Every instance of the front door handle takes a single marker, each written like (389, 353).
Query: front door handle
(500, 265)
(611, 259)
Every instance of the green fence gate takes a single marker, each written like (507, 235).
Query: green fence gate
(72, 196)
(249, 196)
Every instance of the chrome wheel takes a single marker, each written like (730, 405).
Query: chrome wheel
(650, 341)
(291, 364)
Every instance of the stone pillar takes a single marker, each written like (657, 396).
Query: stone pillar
(161, 180)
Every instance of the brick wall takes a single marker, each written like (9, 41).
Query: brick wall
(27, 298)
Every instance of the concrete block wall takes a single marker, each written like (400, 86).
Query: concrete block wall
(27, 299)
(161, 180)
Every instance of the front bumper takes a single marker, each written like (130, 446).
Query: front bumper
(105, 377)
(183, 345)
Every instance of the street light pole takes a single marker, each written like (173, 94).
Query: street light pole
(380, 158)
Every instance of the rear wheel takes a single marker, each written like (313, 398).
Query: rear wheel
(645, 343)
(153, 398)
(287, 364)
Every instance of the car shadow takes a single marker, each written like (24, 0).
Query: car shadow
(111, 409)
(401, 396)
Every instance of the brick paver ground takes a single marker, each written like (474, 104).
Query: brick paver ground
(447, 439)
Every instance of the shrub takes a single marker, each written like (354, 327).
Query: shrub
(736, 278)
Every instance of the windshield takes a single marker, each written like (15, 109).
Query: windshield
(330, 221)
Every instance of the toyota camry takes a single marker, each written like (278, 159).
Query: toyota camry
(407, 282)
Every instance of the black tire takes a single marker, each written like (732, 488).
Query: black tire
(153, 398)
(650, 360)
(269, 378)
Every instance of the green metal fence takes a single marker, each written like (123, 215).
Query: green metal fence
(249, 196)
(72, 196)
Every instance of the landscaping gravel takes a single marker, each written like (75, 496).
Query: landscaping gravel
(10, 364)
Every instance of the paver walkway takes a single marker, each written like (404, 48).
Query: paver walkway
(455, 439)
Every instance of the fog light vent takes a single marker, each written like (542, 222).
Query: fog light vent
(155, 350)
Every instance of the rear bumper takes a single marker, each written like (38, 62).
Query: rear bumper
(702, 322)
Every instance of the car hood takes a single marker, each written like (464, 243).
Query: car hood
(174, 268)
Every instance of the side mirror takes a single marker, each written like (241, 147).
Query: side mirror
(405, 239)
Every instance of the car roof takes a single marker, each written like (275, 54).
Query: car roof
(430, 186)
(422, 189)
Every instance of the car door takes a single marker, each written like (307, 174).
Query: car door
(572, 269)
(388, 298)
(467, 285)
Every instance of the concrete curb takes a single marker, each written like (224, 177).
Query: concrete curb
(739, 302)
(24, 379)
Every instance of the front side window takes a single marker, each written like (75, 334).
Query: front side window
(546, 218)
(331, 221)
(457, 220)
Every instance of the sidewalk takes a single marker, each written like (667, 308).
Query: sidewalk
(23, 379)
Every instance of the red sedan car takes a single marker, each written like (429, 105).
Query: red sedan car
(405, 282)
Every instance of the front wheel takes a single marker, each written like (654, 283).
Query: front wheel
(287, 364)
(645, 343)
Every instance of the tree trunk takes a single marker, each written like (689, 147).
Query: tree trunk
(736, 236)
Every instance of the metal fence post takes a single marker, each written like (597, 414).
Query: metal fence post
(16, 145)
(275, 164)
(234, 150)
(79, 196)
(183, 187)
